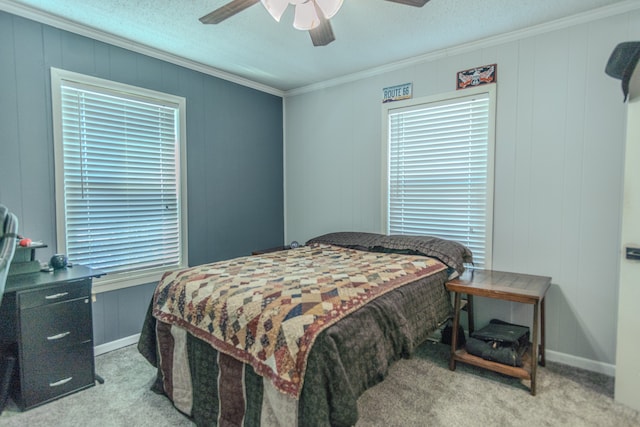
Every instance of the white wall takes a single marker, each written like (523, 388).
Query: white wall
(559, 159)
(627, 367)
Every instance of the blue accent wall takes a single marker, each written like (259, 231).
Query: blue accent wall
(234, 152)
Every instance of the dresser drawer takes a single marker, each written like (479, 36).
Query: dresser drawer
(48, 318)
(53, 374)
(54, 326)
(54, 294)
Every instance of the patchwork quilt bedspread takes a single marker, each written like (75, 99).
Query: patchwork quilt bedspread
(347, 358)
(267, 311)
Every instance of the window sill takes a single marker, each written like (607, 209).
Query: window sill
(113, 282)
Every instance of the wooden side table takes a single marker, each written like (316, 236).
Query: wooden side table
(522, 288)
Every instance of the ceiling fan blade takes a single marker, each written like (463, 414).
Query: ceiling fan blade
(322, 35)
(416, 3)
(226, 11)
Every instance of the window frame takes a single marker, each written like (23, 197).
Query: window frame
(388, 108)
(113, 281)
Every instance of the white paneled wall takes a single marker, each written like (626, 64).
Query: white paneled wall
(628, 346)
(559, 159)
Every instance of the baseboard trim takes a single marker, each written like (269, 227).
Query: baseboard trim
(115, 345)
(580, 362)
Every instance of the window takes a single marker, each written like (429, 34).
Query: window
(440, 168)
(120, 178)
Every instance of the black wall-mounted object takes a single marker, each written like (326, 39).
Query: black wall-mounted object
(622, 62)
(633, 253)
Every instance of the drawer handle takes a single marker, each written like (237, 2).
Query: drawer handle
(56, 296)
(58, 336)
(61, 382)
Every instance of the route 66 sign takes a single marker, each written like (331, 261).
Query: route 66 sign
(398, 92)
(477, 76)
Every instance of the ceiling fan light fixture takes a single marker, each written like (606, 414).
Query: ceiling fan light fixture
(329, 7)
(275, 7)
(306, 17)
(310, 15)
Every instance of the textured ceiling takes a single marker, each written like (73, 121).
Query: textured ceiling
(251, 45)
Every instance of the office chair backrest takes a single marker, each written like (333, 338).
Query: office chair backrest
(8, 235)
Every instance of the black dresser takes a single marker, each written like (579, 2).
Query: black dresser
(46, 321)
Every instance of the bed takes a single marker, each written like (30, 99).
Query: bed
(295, 337)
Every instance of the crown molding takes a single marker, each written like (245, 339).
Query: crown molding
(74, 27)
(83, 30)
(581, 18)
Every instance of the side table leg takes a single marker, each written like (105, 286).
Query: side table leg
(534, 350)
(471, 323)
(542, 333)
(454, 331)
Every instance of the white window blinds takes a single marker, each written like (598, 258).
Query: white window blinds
(120, 167)
(438, 171)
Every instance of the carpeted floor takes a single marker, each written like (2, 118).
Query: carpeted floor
(421, 391)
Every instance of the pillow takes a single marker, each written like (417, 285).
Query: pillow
(453, 254)
(349, 239)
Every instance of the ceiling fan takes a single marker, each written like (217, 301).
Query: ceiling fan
(310, 15)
